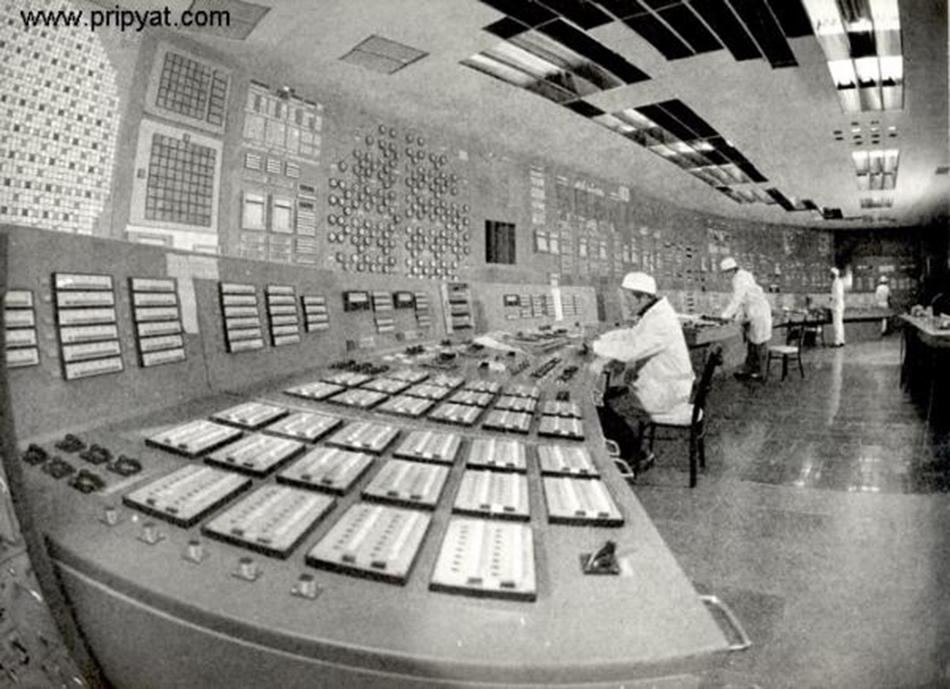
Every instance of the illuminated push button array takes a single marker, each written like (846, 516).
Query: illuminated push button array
(366, 436)
(484, 558)
(406, 406)
(184, 496)
(257, 454)
(493, 453)
(428, 391)
(349, 379)
(390, 386)
(376, 541)
(315, 391)
(494, 494)
(430, 446)
(566, 460)
(487, 386)
(561, 427)
(580, 501)
(559, 408)
(251, 415)
(521, 390)
(461, 414)
(359, 398)
(512, 403)
(306, 426)
(503, 420)
(273, 519)
(409, 375)
(472, 397)
(408, 483)
(447, 380)
(192, 438)
(327, 468)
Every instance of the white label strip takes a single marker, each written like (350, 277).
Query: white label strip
(18, 299)
(86, 316)
(84, 369)
(153, 285)
(237, 288)
(286, 340)
(239, 300)
(248, 334)
(281, 309)
(281, 299)
(285, 330)
(283, 320)
(88, 333)
(93, 350)
(154, 344)
(245, 345)
(22, 357)
(19, 318)
(164, 328)
(79, 281)
(71, 299)
(231, 311)
(165, 357)
(157, 313)
(154, 299)
(20, 338)
(280, 289)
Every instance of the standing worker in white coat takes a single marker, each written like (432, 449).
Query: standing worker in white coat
(882, 299)
(750, 307)
(837, 307)
(656, 362)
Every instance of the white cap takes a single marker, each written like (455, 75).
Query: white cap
(728, 263)
(883, 279)
(835, 271)
(639, 282)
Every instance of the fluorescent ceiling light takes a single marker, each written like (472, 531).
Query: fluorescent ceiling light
(842, 72)
(523, 60)
(892, 69)
(860, 159)
(636, 119)
(885, 14)
(868, 71)
(891, 158)
(500, 70)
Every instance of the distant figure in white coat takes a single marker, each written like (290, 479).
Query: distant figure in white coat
(749, 307)
(658, 370)
(837, 307)
(882, 299)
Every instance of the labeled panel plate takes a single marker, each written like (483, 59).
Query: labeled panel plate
(166, 356)
(256, 454)
(408, 483)
(390, 386)
(349, 379)
(446, 380)
(472, 397)
(84, 316)
(156, 344)
(154, 299)
(96, 367)
(409, 375)
(271, 520)
(512, 403)
(428, 391)
(462, 414)
(484, 558)
(494, 453)
(327, 468)
(522, 390)
(81, 281)
(566, 460)
(250, 414)
(88, 333)
(184, 496)
(192, 438)
(493, 494)
(559, 408)
(363, 435)
(81, 298)
(306, 426)
(315, 391)
(146, 314)
(561, 427)
(18, 358)
(487, 386)
(359, 398)
(157, 328)
(90, 350)
(406, 406)
(375, 541)
(20, 338)
(430, 446)
(515, 421)
(580, 501)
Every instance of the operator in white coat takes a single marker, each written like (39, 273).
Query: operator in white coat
(750, 307)
(882, 299)
(658, 369)
(837, 307)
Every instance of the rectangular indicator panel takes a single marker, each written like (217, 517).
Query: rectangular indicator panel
(78, 298)
(194, 437)
(17, 358)
(152, 284)
(80, 281)
(158, 328)
(184, 496)
(166, 356)
(493, 494)
(327, 468)
(256, 454)
(85, 316)
(92, 350)
(494, 453)
(154, 299)
(580, 501)
(18, 299)
(409, 483)
(96, 367)
(88, 333)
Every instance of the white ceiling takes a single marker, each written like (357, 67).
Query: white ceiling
(781, 119)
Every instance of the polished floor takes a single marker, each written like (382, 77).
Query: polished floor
(823, 520)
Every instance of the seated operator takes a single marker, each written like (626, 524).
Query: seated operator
(658, 372)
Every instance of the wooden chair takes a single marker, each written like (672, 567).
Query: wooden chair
(690, 417)
(794, 337)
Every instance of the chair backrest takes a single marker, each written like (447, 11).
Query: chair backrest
(713, 359)
(795, 334)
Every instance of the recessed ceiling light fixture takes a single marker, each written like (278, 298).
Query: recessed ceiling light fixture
(383, 55)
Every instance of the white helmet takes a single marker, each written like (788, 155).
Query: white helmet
(639, 282)
(728, 263)
(883, 280)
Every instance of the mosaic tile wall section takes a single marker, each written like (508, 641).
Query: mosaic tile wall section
(58, 124)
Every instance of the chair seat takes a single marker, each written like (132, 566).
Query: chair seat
(784, 349)
(680, 415)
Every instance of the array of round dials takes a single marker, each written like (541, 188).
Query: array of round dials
(381, 211)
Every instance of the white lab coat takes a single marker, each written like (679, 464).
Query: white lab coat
(882, 296)
(665, 378)
(750, 305)
(837, 309)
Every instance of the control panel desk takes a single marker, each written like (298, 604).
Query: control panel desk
(273, 587)
(925, 364)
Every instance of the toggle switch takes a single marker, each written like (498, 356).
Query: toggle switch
(306, 587)
(247, 569)
(150, 534)
(110, 515)
(195, 551)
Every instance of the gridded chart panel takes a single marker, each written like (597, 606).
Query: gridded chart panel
(566, 460)
(180, 186)
(327, 468)
(306, 426)
(59, 118)
(194, 437)
(580, 501)
(493, 494)
(256, 454)
(493, 453)
(184, 496)
(408, 483)
(315, 391)
(375, 541)
(271, 520)
(192, 88)
(250, 414)
(430, 446)
(483, 558)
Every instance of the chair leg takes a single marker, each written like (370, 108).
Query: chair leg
(692, 458)
(768, 365)
(701, 444)
(801, 368)
(784, 366)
